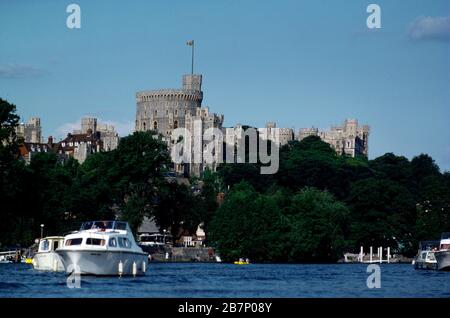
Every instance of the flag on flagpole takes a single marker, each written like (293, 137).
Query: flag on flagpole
(190, 43)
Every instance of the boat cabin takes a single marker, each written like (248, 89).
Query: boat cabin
(445, 241)
(50, 243)
(154, 239)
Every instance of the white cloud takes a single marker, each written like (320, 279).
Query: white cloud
(14, 71)
(63, 130)
(430, 28)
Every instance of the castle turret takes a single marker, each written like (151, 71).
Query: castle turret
(88, 123)
(192, 82)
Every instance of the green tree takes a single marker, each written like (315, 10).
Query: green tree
(14, 191)
(394, 168)
(433, 207)
(249, 224)
(319, 226)
(383, 214)
(174, 209)
(310, 162)
(139, 160)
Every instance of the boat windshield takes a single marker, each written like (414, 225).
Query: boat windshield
(155, 238)
(428, 245)
(44, 246)
(445, 236)
(103, 225)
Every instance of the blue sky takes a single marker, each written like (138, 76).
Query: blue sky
(299, 63)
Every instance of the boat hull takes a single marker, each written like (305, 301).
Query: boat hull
(102, 263)
(443, 260)
(47, 261)
(424, 265)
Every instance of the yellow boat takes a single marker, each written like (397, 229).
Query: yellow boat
(28, 260)
(242, 262)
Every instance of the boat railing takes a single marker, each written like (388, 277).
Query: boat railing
(104, 225)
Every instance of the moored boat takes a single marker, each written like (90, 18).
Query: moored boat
(46, 259)
(103, 248)
(443, 255)
(425, 258)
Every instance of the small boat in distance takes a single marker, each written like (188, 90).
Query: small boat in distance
(46, 258)
(425, 258)
(103, 248)
(155, 239)
(242, 262)
(443, 255)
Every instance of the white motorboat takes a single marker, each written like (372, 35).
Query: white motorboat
(425, 258)
(46, 258)
(103, 248)
(443, 255)
(154, 239)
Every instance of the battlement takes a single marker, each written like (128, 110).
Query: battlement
(169, 94)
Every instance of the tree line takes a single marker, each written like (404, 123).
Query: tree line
(316, 207)
(320, 205)
(128, 182)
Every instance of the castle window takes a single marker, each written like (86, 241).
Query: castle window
(144, 125)
(156, 112)
(176, 112)
(175, 124)
(155, 125)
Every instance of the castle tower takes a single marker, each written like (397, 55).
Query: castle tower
(31, 131)
(192, 82)
(88, 123)
(164, 110)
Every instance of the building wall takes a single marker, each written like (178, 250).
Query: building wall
(31, 131)
(108, 134)
(206, 120)
(281, 136)
(347, 139)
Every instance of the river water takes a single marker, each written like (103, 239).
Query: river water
(227, 280)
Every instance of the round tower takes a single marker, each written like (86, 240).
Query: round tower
(164, 110)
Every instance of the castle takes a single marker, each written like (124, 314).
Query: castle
(31, 131)
(91, 138)
(348, 139)
(167, 109)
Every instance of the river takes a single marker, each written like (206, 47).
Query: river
(227, 280)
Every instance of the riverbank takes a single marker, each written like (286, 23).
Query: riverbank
(168, 253)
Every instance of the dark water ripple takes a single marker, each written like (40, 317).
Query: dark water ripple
(225, 280)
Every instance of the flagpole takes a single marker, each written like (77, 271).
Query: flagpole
(192, 65)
